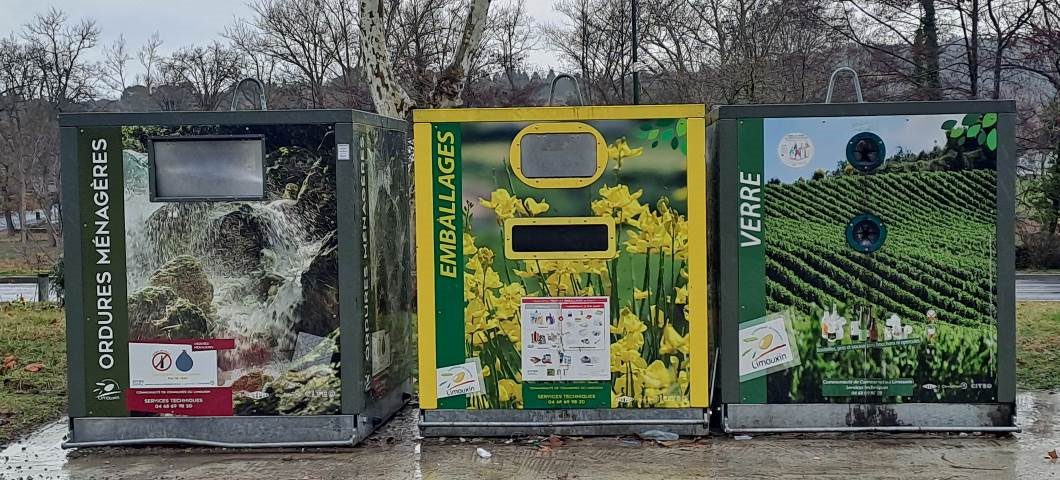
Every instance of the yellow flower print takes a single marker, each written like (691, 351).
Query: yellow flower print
(629, 323)
(512, 330)
(682, 295)
(535, 208)
(619, 203)
(673, 342)
(486, 371)
(506, 305)
(625, 355)
(510, 390)
(639, 294)
(660, 383)
(469, 245)
(503, 204)
(619, 152)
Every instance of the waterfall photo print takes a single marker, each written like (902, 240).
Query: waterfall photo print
(250, 284)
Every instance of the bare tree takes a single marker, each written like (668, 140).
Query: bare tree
(902, 36)
(510, 38)
(116, 58)
(59, 49)
(313, 40)
(596, 43)
(1007, 19)
(209, 72)
(150, 60)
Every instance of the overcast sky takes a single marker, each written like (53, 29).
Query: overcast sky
(178, 22)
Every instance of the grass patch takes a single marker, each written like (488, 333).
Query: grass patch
(34, 256)
(34, 333)
(1038, 344)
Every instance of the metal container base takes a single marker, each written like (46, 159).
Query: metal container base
(904, 417)
(574, 422)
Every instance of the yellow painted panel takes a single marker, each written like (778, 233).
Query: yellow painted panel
(698, 310)
(425, 265)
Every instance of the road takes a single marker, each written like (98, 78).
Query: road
(395, 452)
(1038, 287)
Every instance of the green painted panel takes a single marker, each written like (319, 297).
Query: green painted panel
(106, 363)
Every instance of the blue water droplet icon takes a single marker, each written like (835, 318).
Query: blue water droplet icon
(184, 361)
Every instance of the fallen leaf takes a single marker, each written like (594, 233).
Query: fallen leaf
(9, 362)
(34, 367)
(555, 441)
(1052, 454)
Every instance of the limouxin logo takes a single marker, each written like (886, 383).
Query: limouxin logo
(767, 342)
(459, 380)
(765, 347)
(107, 389)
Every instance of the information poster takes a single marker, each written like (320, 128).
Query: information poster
(566, 338)
(177, 377)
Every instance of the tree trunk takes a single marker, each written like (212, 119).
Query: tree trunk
(973, 52)
(389, 97)
(927, 53)
(998, 53)
(450, 88)
(10, 222)
(22, 228)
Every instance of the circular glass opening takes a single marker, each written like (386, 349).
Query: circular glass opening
(866, 233)
(866, 151)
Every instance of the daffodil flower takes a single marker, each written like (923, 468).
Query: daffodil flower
(619, 152)
(682, 295)
(673, 342)
(535, 208)
(510, 391)
(503, 204)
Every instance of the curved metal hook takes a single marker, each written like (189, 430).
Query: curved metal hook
(577, 88)
(857, 84)
(261, 93)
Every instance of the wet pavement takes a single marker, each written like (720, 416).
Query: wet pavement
(1038, 287)
(395, 453)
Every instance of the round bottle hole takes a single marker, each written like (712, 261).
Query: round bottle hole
(866, 233)
(866, 151)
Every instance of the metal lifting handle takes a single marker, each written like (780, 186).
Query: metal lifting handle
(261, 92)
(857, 84)
(577, 88)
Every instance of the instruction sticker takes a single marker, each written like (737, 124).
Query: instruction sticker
(344, 151)
(175, 363)
(566, 338)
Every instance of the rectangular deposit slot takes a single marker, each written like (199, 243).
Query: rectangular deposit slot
(210, 167)
(560, 238)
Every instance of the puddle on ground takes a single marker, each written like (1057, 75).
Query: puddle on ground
(395, 452)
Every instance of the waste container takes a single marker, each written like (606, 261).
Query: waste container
(212, 261)
(864, 274)
(561, 267)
